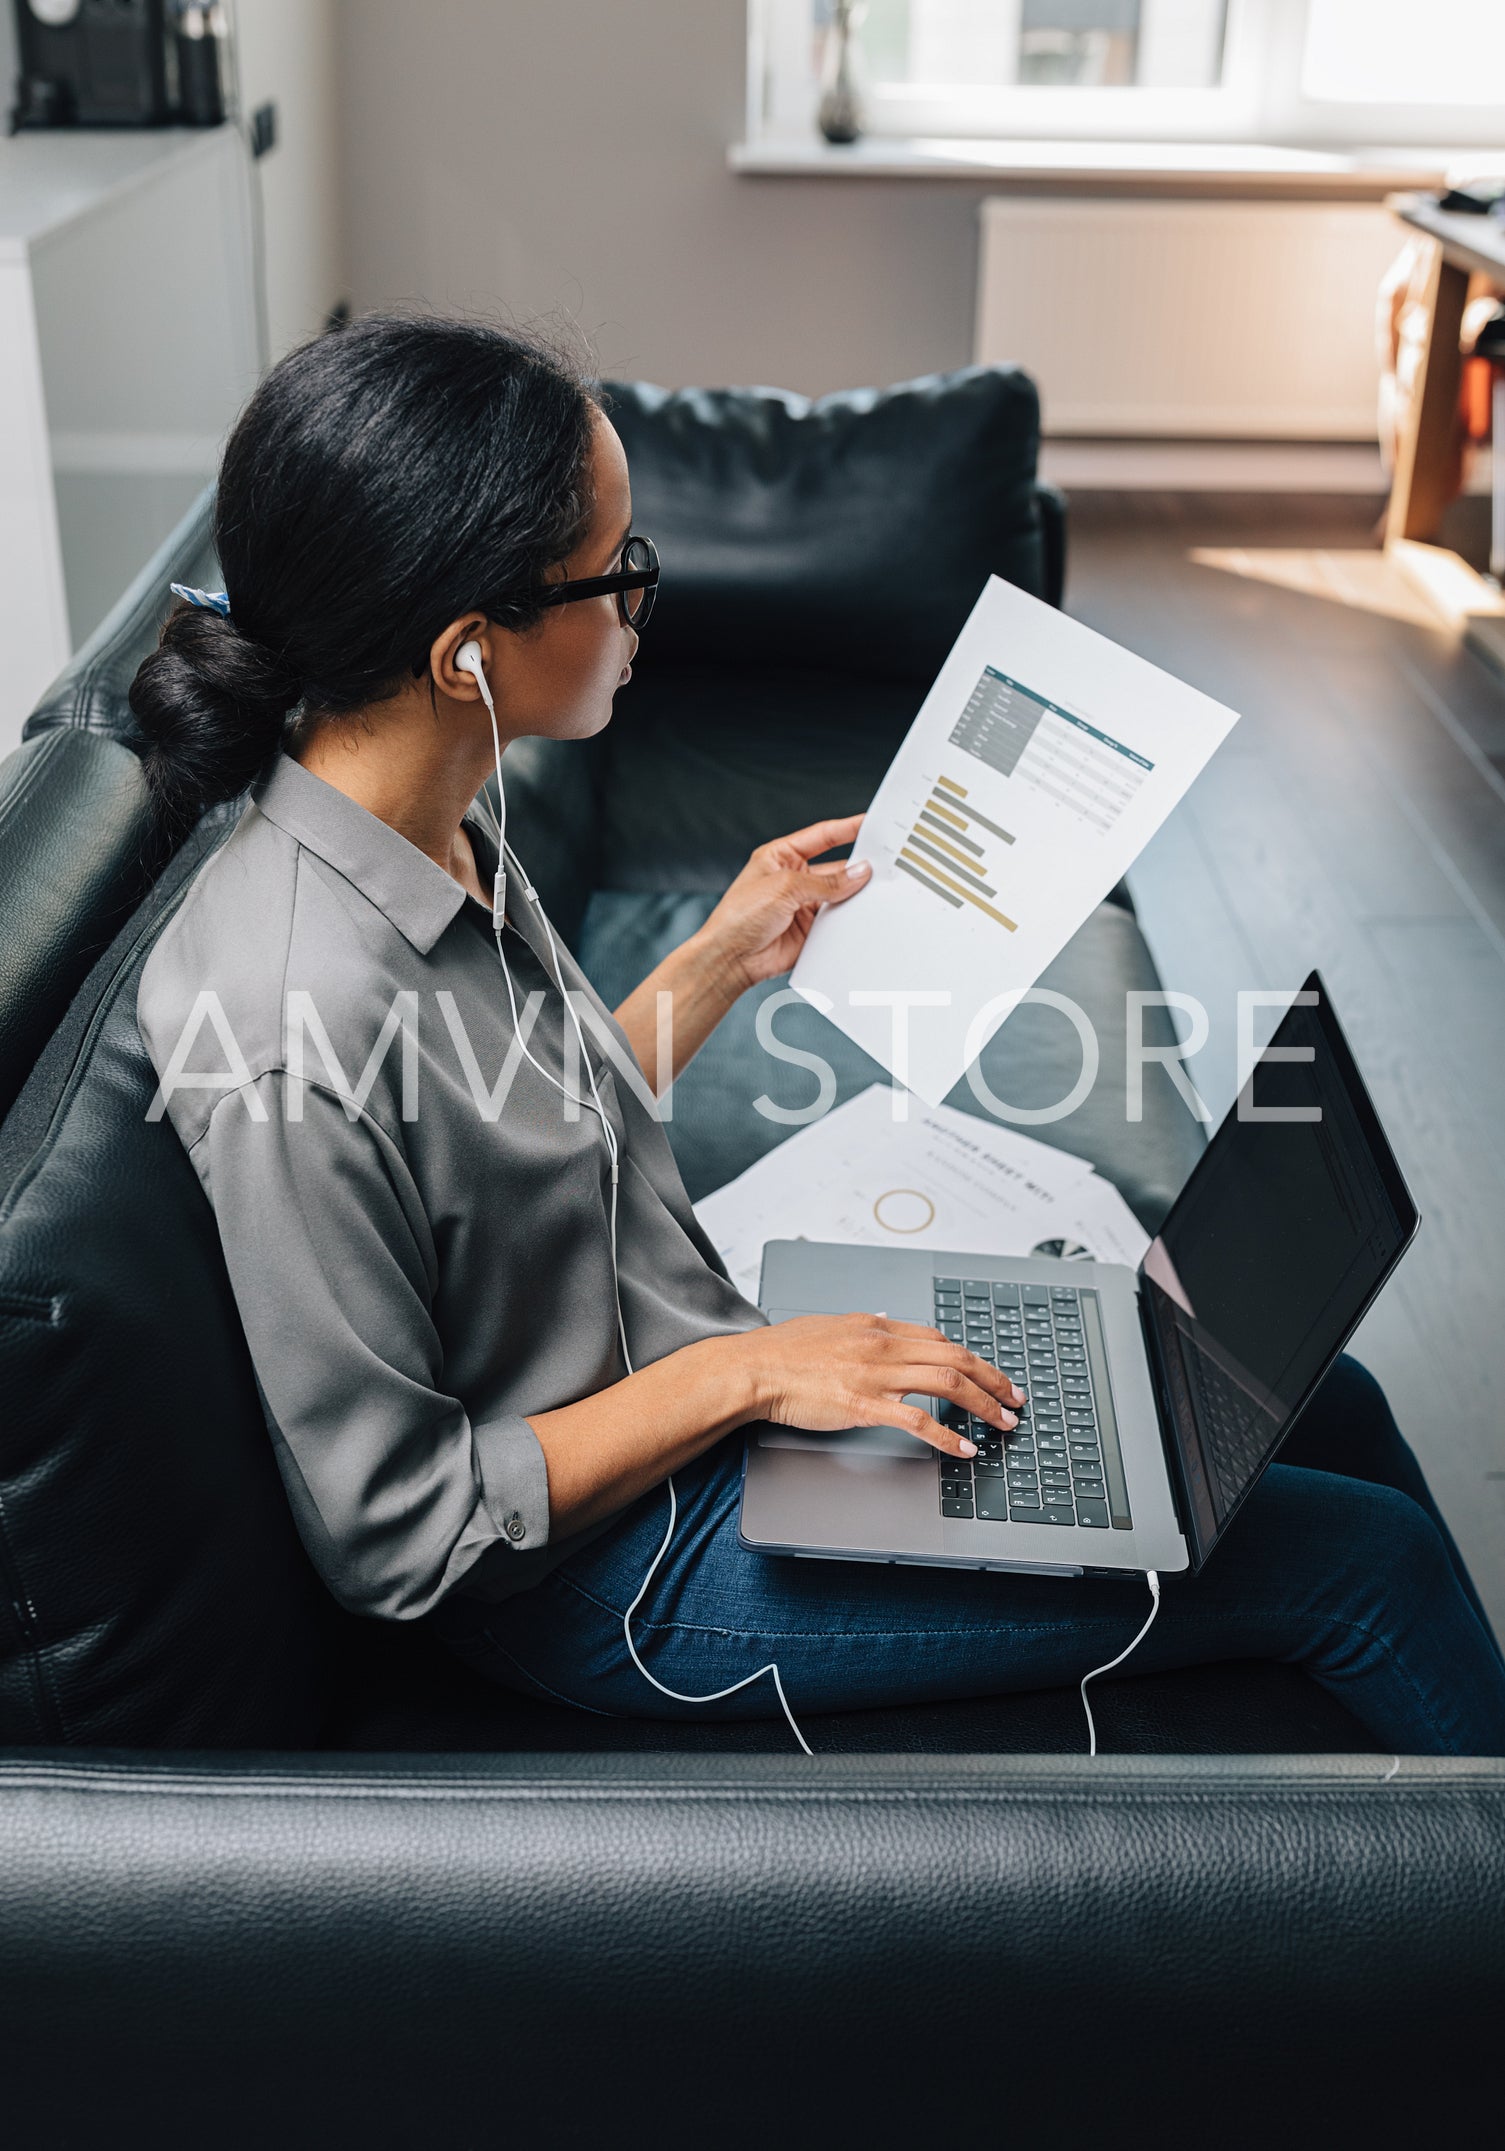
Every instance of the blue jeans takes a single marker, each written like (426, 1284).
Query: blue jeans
(1339, 1562)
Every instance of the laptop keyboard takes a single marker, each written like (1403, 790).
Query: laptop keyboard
(1236, 1433)
(1049, 1470)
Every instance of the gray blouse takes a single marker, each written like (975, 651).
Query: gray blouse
(415, 1222)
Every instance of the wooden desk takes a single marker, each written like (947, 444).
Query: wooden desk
(1474, 244)
(1467, 252)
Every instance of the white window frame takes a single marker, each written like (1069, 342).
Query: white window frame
(1259, 100)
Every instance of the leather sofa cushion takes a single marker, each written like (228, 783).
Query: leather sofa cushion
(79, 849)
(1032, 1061)
(155, 1592)
(699, 766)
(743, 1952)
(853, 533)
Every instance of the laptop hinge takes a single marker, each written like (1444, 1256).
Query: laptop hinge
(1164, 1410)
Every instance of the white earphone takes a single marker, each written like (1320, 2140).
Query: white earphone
(468, 658)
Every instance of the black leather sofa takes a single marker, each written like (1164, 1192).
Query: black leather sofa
(267, 1869)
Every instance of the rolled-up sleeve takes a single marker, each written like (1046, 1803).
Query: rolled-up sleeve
(396, 1491)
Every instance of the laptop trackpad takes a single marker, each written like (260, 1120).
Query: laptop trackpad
(861, 1441)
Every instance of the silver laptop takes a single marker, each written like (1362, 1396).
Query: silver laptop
(1157, 1396)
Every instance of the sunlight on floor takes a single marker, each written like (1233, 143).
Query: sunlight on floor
(1362, 579)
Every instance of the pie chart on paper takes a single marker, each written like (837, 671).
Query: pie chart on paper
(903, 1211)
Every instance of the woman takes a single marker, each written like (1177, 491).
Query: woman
(485, 1323)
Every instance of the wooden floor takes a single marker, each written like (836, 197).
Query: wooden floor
(1354, 820)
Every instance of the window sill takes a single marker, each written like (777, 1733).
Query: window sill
(1244, 170)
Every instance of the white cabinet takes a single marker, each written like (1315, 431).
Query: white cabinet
(128, 342)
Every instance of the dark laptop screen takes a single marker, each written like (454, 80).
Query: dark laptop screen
(1277, 1244)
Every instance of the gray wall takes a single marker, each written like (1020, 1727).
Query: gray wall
(569, 156)
(289, 55)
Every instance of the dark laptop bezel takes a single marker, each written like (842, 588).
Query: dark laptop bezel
(1174, 1425)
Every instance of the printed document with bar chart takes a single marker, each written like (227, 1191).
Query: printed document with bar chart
(1042, 761)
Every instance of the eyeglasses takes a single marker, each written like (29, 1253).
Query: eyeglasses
(634, 585)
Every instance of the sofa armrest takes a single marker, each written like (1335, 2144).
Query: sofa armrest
(1052, 505)
(80, 848)
(474, 1950)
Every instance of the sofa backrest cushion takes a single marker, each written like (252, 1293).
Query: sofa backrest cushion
(819, 559)
(852, 534)
(152, 1589)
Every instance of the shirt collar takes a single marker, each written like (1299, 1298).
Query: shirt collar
(407, 886)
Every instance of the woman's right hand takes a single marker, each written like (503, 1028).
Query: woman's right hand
(827, 1372)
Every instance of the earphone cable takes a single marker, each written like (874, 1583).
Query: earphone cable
(477, 670)
(674, 1693)
(1153, 1581)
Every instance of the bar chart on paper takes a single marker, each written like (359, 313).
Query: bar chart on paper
(958, 852)
(942, 852)
(1040, 762)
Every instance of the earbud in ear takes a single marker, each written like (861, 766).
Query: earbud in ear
(468, 659)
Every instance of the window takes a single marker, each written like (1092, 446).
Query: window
(1405, 52)
(1425, 72)
(1078, 44)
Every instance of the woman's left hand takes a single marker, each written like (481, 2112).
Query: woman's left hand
(761, 924)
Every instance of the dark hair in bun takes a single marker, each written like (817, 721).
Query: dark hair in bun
(382, 480)
(210, 706)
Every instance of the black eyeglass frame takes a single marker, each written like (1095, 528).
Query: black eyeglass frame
(644, 578)
(589, 586)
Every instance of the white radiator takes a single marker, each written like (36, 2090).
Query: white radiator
(1199, 320)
